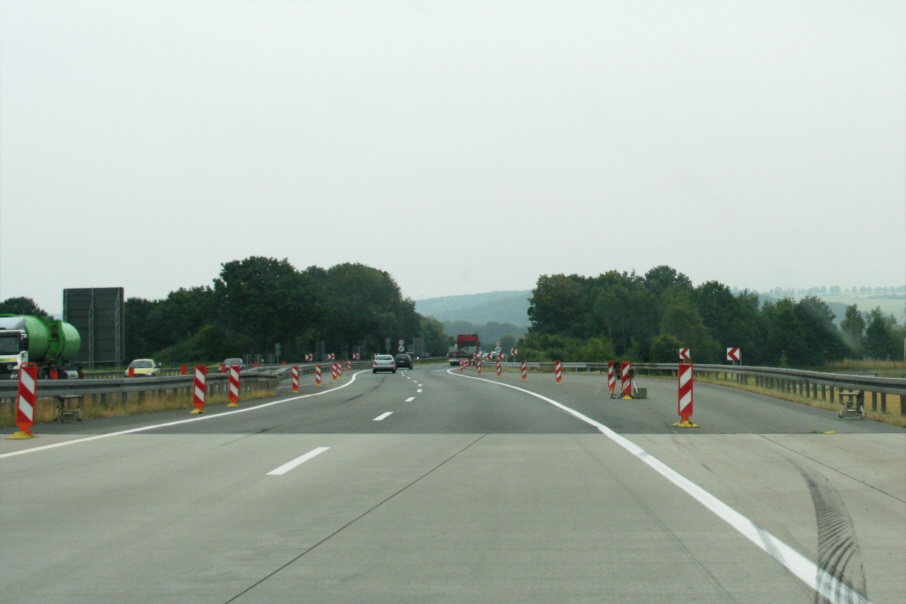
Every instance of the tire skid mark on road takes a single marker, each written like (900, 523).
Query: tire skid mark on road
(825, 585)
(353, 521)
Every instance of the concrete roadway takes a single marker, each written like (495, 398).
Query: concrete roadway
(470, 490)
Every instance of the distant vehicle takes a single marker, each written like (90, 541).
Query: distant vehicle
(49, 343)
(143, 368)
(227, 363)
(467, 345)
(383, 362)
(403, 360)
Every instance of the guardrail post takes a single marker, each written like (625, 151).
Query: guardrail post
(884, 403)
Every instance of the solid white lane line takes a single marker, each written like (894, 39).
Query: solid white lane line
(410, 399)
(297, 462)
(807, 571)
(383, 416)
(199, 418)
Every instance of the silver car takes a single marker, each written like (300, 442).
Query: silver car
(383, 362)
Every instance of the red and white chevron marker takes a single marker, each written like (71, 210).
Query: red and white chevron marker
(626, 379)
(558, 371)
(234, 386)
(684, 354)
(331, 356)
(309, 358)
(686, 375)
(524, 370)
(355, 356)
(611, 378)
(499, 370)
(733, 354)
(295, 375)
(318, 375)
(514, 352)
(26, 400)
(201, 388)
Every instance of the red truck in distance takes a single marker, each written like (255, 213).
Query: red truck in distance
(467, 346)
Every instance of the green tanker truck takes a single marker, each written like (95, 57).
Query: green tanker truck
(49, 343)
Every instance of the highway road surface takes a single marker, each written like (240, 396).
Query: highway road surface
(432, 485)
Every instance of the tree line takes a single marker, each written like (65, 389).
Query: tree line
(256, 303)
(647, 318)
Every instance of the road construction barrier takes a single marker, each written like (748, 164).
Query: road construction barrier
(295, 378)
(182, 370)
(26, 399)
(499, 370)
(626, 379)
(558, 371)
(234, 386)
(685, 379)
(131, 372)
(200, 389)
(479, 366)
(333, 371)
(318, 375)
(348, 365)
(611, 379)
(524, 369)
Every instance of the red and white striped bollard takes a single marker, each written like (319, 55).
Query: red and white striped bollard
(626, 379)
(318, 375)
(295, 377)
(558, 371)
(201, 388)
(234, 386)
(524, 370)
(26, 401)
(685, 381)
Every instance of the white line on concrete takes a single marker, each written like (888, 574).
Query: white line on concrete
(297, 462)
(419, 391)
(176, 423)
(803, 568)
(383, 416)
(410, 399)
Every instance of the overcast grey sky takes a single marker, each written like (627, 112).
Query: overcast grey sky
(463, 147)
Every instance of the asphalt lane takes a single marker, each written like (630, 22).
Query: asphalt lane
(428, 485)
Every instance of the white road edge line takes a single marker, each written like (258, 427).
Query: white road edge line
(297, 462)
(199, 418)
(383, 416)
(411, 398)
(800, 566)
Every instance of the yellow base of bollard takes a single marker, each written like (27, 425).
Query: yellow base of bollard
(233, 405)
(196, 410)
(21, 435)
(627, 398)
(685, 424)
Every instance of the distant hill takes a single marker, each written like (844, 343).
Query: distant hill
(494, 307)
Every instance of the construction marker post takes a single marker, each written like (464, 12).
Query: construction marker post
(479, 366)
(333, 371)
(499, 370)
(295, 377)
(626, 379)
(318, 376)
(26, 400)
(558, 371)
(182, 370)
(524, 369)
(611, 379)
(686, 380)
(234, 386)
(348, 365)
(201, 388)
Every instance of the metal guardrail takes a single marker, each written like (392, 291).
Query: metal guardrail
(814, 384)
(263, 375)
